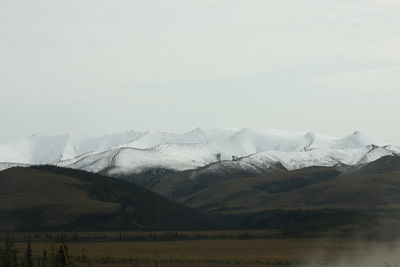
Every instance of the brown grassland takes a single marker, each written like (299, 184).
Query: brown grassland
(215, 252)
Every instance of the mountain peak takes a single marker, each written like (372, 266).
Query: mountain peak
(310, 136)
(249, 131)
(196, 130)
(356, 139)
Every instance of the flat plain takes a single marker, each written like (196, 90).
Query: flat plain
(227, 252)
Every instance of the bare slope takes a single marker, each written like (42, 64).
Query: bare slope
(49, 198)
(372, 186)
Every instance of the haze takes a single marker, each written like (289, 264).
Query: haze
(95, 67)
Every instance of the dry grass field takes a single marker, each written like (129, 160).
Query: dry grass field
(216, 253)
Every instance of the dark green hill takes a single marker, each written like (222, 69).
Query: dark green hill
(51, 198)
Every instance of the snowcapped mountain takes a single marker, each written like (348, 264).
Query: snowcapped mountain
(49, 149)
(248, 148)
(292, 160)
(197, 136)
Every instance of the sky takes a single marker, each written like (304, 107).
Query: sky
(95, 67)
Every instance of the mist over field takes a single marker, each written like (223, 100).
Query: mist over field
(372, 255)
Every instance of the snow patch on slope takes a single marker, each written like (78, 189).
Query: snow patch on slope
(267, 161)
(130, 160)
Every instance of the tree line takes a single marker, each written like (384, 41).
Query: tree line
(11, 257)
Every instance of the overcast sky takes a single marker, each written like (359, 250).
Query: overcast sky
(96, 67)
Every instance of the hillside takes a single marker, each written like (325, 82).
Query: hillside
(299, 202)
(371, 186)
(51, 198)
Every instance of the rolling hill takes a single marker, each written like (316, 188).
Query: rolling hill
(52, 198)
(375, 185)
(309, 201)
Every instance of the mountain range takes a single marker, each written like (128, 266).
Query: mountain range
(248, 149)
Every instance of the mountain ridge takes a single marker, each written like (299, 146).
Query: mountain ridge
(135, 152)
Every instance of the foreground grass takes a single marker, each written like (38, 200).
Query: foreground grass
(215, 253)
